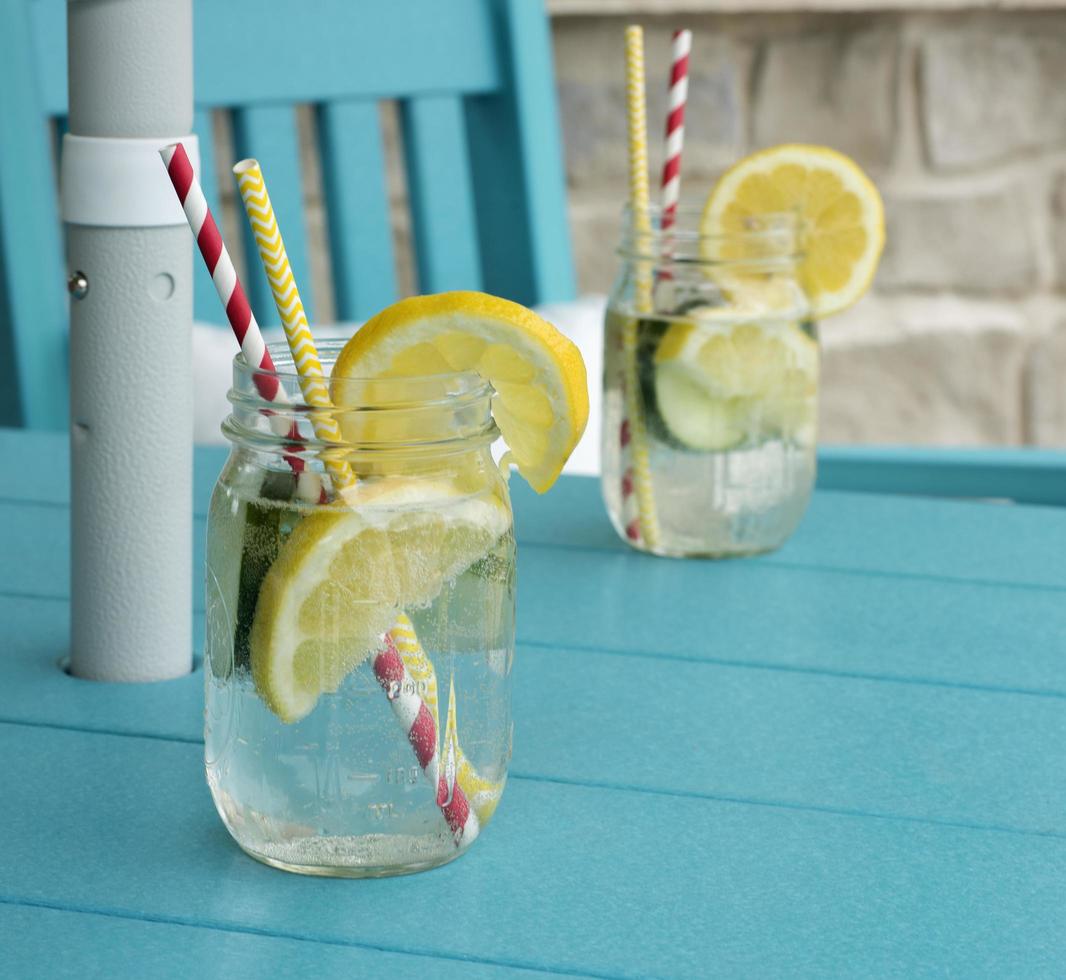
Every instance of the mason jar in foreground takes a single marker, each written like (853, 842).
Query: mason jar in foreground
(359, 643)
(710, 389)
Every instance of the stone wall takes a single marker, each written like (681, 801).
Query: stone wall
(960, 118)
(958, 114)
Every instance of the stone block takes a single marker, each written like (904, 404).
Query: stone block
(977, 243)
(1058, 228)
(988, 95)
(595, 229)
(835, 88)
(1045, 394)
(590, 79)
(926, 372)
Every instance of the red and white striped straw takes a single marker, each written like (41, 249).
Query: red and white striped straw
(680, 47)
(231, 293)
(417, 721)
(677, 98)
(400, 688)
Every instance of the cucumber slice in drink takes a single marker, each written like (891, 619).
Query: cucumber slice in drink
(720, 385)
(266, 525)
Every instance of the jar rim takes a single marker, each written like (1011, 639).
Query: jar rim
(771, 239)
(689, 213)
(448, 389)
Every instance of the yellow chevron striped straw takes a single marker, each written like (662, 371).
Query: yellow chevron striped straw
(483, 794)
(291, 310)
(636, 114)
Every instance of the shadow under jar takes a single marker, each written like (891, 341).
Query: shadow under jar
(359, 640)
(710, 389)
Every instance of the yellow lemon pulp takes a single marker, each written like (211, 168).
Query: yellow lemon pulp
(347, 571)
(541, 390)
(839, 212)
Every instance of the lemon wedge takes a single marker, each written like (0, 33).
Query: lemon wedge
(541, 390)
(839, 211)
(346, 572)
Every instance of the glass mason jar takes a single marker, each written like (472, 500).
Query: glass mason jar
(359, 641)
(710, 389)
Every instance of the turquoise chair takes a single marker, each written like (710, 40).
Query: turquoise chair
(474, 83)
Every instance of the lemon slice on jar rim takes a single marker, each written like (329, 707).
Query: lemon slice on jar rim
(541, 389)
(838, 209)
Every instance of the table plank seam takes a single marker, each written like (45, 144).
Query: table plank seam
(755, 563)
(43, 596)
(985, 583)
(799, 807)
(614, 787)
(116, 913)
(651, 654)
(86, 730)
(35, 502)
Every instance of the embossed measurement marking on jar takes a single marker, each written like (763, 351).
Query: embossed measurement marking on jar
(382, 811)
(412, 686)
(403, 775)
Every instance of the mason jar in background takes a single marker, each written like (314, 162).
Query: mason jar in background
(710, 389)
(359, 643)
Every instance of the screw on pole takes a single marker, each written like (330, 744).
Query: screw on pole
(78, 285)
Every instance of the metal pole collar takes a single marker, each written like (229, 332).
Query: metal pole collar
(110, 182)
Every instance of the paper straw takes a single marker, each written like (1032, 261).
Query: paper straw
(402, 676)
(235, 302)
(677, 97)
(287, 299)
(483, 794)
(416, 719)
(644, 525)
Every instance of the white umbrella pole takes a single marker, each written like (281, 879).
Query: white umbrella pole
(130, 260)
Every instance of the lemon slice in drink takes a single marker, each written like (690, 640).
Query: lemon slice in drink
(839, 210)
(345, 573)
(722, 385)
(541, 391)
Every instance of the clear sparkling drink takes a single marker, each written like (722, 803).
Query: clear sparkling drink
(710, 393)
(359, 651)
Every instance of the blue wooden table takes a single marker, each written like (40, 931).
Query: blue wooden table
(848, 757)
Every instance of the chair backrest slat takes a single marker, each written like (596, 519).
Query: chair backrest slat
(360, 234)
(33, 300)
(206, 306)
(474, 82)
(251, 52)
(520, 193)
(268, 133)
(47, 44)
(442, 198)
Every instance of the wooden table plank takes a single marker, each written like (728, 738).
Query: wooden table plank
(840, 758)
(760, 612)
(796, 619)
(861, 532)
(681, 887)
(857, 531)
(923, 752)
(41, 531)
(57, 943)
(1022, 473)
